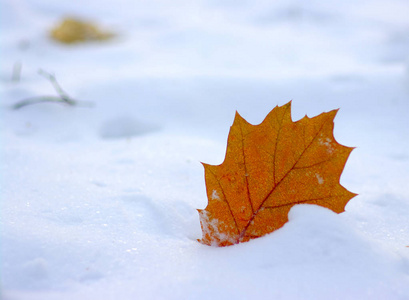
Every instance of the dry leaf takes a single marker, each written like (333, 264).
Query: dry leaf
(269, 168)
(73, 30)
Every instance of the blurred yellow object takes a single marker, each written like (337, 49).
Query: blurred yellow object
(72, 30)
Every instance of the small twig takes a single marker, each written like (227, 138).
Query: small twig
(62, 97)
(35, 100)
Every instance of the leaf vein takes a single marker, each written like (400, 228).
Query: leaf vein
(313, 165)
(243, 232)
(297, 202)
(225, 198)
(245, 170)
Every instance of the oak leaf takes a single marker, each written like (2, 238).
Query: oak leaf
(74, 30)
(269, 168)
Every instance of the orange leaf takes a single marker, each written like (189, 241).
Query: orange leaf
(269, 168)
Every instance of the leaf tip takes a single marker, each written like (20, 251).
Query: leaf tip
(237, 117)
(286, 106)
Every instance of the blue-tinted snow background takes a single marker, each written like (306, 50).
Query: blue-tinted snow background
(100, 202)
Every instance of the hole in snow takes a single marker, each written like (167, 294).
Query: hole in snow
(124, 127)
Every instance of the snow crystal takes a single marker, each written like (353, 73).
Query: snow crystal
(215, 195)
(211, 227)
(319, 178)
(327, 143)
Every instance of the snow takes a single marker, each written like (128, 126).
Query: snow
(100, 202)
(215, 195)
(319, 178)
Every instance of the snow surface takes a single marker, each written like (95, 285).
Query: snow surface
(100, 202)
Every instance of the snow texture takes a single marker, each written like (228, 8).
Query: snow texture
(100, 202)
